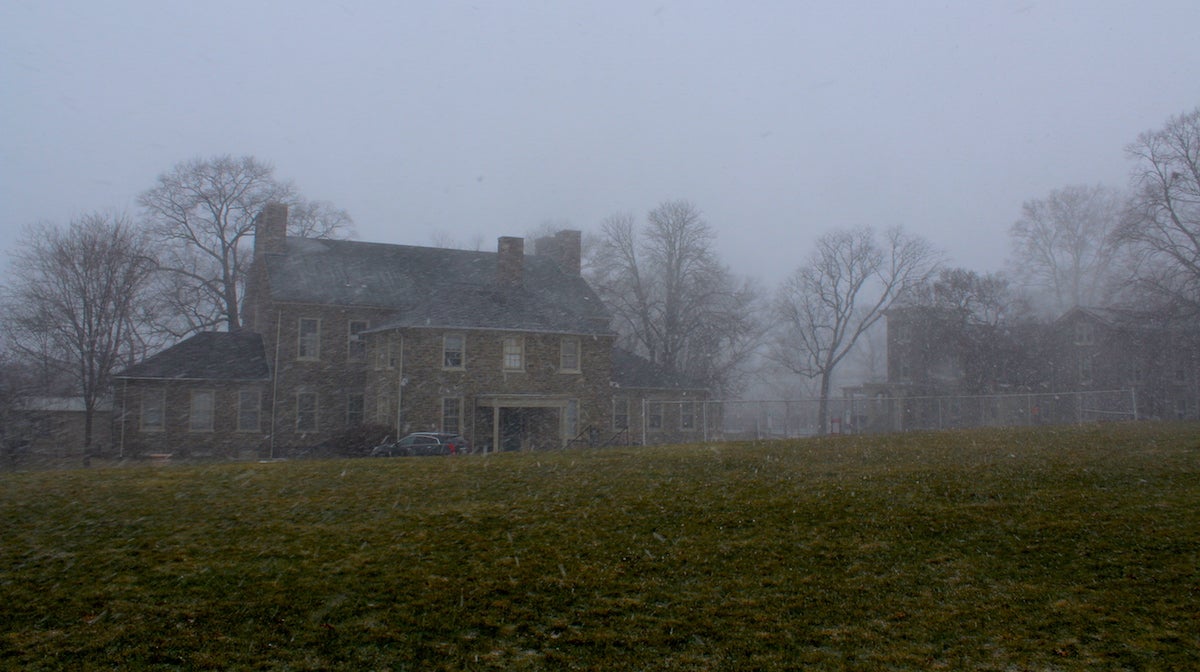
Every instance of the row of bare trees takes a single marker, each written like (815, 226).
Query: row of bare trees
(678, 306)
(84, 300)
(1099, 245)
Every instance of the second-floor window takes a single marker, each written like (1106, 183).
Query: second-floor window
(514, 353)
(453, 351)
(308, 338)
(569, 355)
(356, 345)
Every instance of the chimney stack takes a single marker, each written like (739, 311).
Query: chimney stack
(565, 248)
(270, 229)
(510, 265)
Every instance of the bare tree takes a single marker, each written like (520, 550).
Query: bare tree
(673, 301)
(202, 211)
(1163, 220)
(848, 282)
(318, 219)
(74, 304)
(1064, 245)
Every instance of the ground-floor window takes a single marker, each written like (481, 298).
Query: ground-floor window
(687, 415)
(452, 415)
(153, 410)
(200, 414)
(654, 415)
(571, 419)
(306, 412)
(356, 406)
(249, 408)
(620, 413)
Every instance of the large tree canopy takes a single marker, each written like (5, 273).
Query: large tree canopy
(842, 290)
(673, 301)
(202, 213)
(77, 298)
(1163, 222)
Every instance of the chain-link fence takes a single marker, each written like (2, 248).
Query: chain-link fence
(733, 420)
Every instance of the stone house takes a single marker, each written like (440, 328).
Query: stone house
(1109, 349)
(512, 350)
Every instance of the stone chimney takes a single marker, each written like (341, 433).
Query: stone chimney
(270, 229)
(564, 247)
(510, 264)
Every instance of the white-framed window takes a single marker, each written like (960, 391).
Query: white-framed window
(452, 415)
(654, 415)
(571, 419)
(154, 408)
(249, 410)
(568, 358)
(687, 415)
(356, 409)
(306, 412)
(308, 338)
(454, 351)
(356, 344)
(620, 413)
(386, 352)
(200, 412)
(514, 353)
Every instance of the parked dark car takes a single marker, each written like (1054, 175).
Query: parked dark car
(423, 443)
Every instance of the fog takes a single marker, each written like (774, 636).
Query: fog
(475, 120)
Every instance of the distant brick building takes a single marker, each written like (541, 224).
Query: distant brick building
(513, 350)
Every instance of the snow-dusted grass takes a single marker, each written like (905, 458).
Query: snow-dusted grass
(994, 550)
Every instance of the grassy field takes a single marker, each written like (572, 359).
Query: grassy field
(1058, 549)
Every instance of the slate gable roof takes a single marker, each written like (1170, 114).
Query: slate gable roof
(632, 371)
(438, 287)
(208, 355)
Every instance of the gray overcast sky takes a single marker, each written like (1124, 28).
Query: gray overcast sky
(780, 120)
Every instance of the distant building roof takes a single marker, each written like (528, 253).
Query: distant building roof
(632, 371)
(429, 286)
(209, 355)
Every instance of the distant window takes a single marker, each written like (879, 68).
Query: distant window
(1084, 333)
(1085, 368)
(306, 412)
(514, 353)
(356, 345)
(687, 415)
(453, 351)
(153, 410)
(568, 360)
(654, 413)
(200, 415)
(249, 408)
(308, 345)
(571, 419)
(620, 413)
(356, 406)
(383, 410)
(1181, 409)
(452, 415)
(1180, 374)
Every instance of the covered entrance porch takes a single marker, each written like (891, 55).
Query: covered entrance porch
(523, 422)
